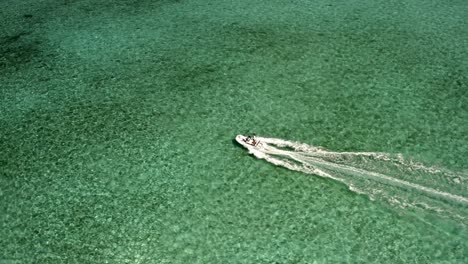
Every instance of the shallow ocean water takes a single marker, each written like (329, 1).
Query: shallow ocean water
(118, 120)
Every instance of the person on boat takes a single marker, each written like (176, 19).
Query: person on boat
(252, 140)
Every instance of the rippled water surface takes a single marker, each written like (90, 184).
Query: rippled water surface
(118, 119)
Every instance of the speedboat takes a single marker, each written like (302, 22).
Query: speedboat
(249, 142)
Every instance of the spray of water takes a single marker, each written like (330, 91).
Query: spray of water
(380, 176)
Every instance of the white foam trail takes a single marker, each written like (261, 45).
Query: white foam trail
(378, 175)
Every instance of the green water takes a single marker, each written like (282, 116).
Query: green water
(117, 120)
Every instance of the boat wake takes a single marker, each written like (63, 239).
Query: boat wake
(380, 176)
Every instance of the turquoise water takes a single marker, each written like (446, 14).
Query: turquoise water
(118, 120)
